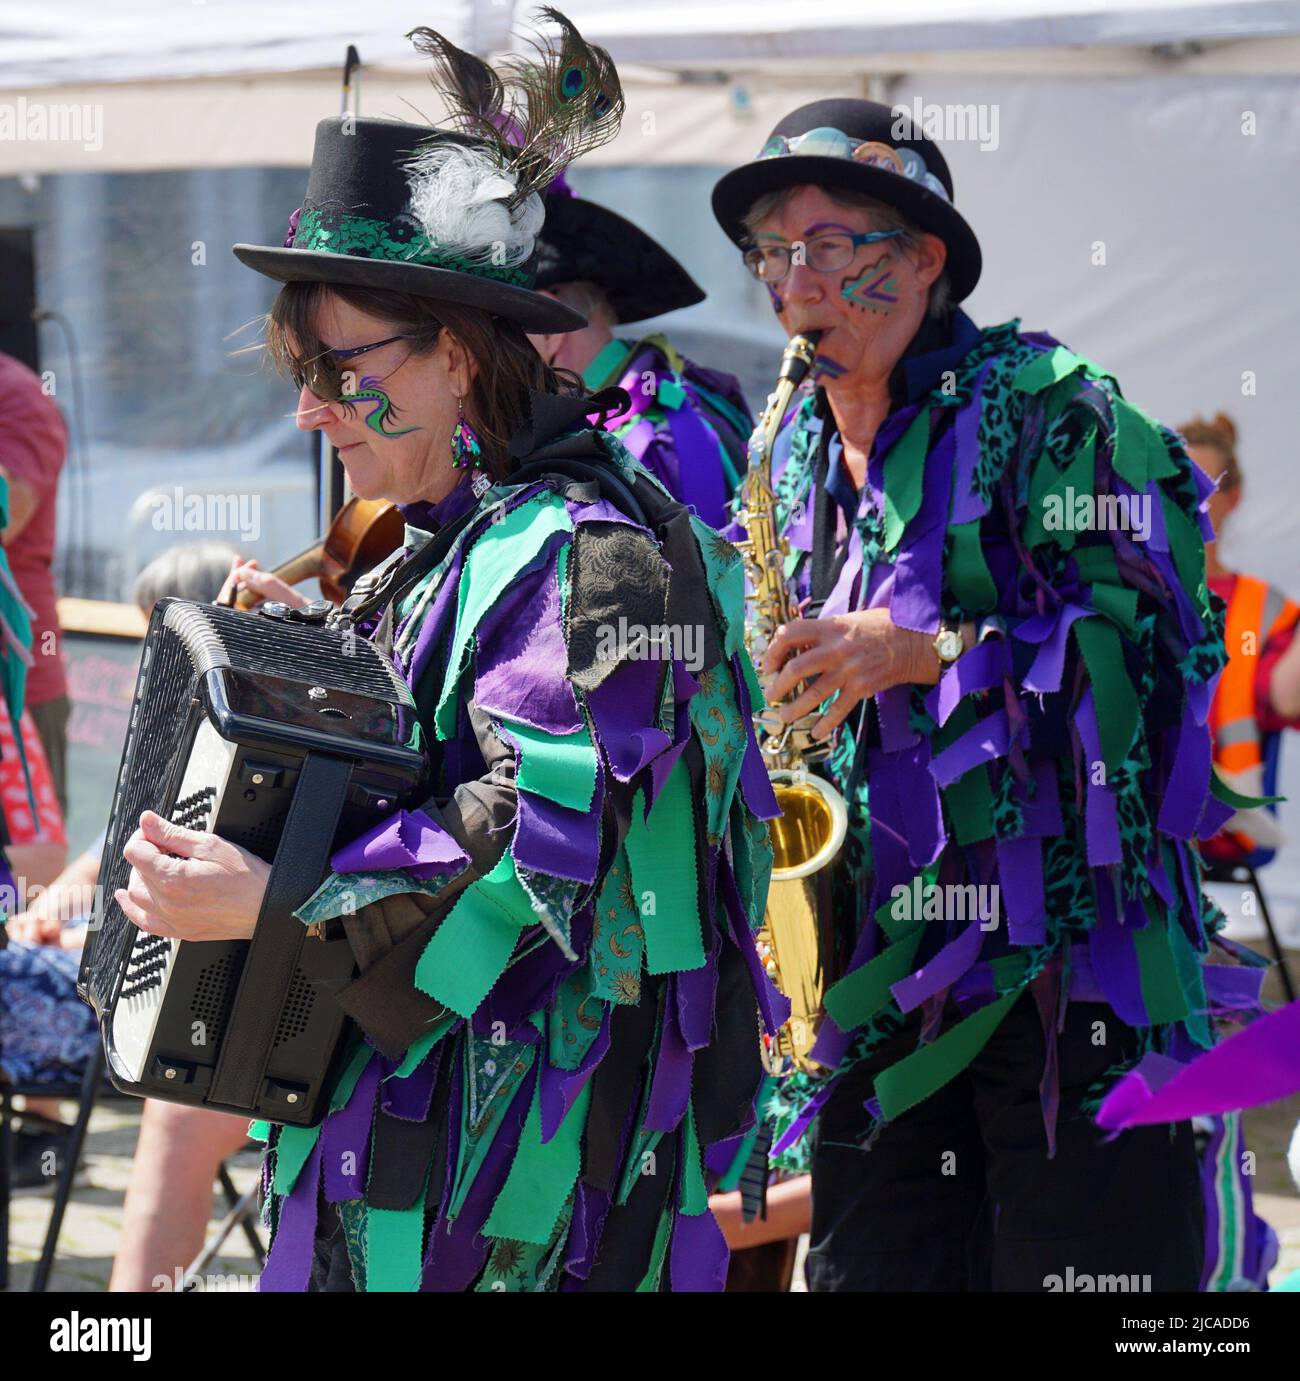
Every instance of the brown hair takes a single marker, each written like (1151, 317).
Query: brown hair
(1221, 433)
(509, 368)
(885, 216)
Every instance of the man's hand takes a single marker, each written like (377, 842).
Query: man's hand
(36, 930)
(857, 654)
(189, 885)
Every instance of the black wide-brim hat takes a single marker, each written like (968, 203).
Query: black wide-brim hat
(585, 242)
(853, 144)
(355, 229)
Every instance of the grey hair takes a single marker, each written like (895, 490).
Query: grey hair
(885, 217)
(588, 298)
(189, 570)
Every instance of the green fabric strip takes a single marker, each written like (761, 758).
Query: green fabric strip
(1116, 701)
(904, 478)
(915, 1077)
(292, 1148)
(395, 1248)
(259, 1131)
(476, 1140)
(364, 237)
(561, 767)
(694, 1194)
(1046, 369)
(1162, 993)
(862, 993)
(1229, 797)
(542, 1176)
(471, 948)
(416, 1054)
(969, 803)
(493, 564)
(968, 572)
(607, 365)
(1059, 491)
(663, 852)
(1187, 549)
(1119, 604)
(356, 1065)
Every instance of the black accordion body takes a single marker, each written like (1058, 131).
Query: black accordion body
(286, 736)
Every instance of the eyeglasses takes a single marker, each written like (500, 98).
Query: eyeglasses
(326, 376)
(770, 263)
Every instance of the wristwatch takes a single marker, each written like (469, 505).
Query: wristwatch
(948, 642)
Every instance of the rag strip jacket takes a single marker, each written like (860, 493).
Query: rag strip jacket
(1068, 764)
(689, 426)
(559, 991)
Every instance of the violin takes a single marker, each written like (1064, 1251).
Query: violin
(363, 533)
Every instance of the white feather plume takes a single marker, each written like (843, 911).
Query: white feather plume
(458, 195)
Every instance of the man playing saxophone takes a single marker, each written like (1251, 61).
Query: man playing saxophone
(1005, 638)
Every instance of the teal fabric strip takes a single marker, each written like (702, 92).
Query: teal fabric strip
(663, 852)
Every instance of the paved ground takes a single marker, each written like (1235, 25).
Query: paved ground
(94, 1216)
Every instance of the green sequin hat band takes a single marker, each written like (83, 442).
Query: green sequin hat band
(355, 228)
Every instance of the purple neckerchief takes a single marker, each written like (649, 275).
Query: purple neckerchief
(429, 516)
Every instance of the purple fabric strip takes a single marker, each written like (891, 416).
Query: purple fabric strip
(755, 781)
(670, 1091)
(288, 1267)
(561, 1087)
(554, 839)
(773, 1005)
(410, 840)
(1045, 988)
(967, 505)
(942, 971)
(980, 669)
(1114, 957)
(1256, 1066)
(1214, 816)
(699, 464)
(1188, 782)
(411, 1098)
(919, 799)
(982, 742)
(805, 1116)
(698, 1256)
(684, 686)
(1042, 815)
(1101, 823)
(621, 706)
(519, 671)
(1233, 990)
(696, 991)
(1049, 665)
(345, 1138)
(1024, 902)
(434, 627)
(896, 733)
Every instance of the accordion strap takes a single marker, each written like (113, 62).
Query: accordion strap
(300, 862)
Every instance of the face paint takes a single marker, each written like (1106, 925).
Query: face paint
(775, 298)
(826, 368)
(383, 408)
(875, 288)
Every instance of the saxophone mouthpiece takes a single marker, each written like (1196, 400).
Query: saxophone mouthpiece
(798, 357)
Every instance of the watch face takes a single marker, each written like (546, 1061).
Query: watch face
(948, 645)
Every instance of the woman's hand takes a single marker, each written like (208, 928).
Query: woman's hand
(35, 929)
(245, 575)
(189, 885)
(858, 654)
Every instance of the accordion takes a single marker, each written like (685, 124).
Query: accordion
(289, 737)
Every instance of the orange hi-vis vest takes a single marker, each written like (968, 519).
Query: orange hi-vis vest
(1255, 613)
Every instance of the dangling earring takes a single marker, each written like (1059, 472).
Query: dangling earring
(465, 446)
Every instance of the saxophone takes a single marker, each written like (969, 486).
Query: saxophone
(810, 831)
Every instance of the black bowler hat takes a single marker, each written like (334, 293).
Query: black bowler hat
(585, 242)
(454, 214)
(357, 227)
(847, 143)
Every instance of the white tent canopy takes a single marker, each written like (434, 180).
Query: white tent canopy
(144, 84)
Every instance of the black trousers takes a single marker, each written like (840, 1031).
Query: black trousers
(958, 1193)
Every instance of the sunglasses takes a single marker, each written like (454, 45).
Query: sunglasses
(327, 375)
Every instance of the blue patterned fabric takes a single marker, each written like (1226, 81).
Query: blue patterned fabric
(47, 1034)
